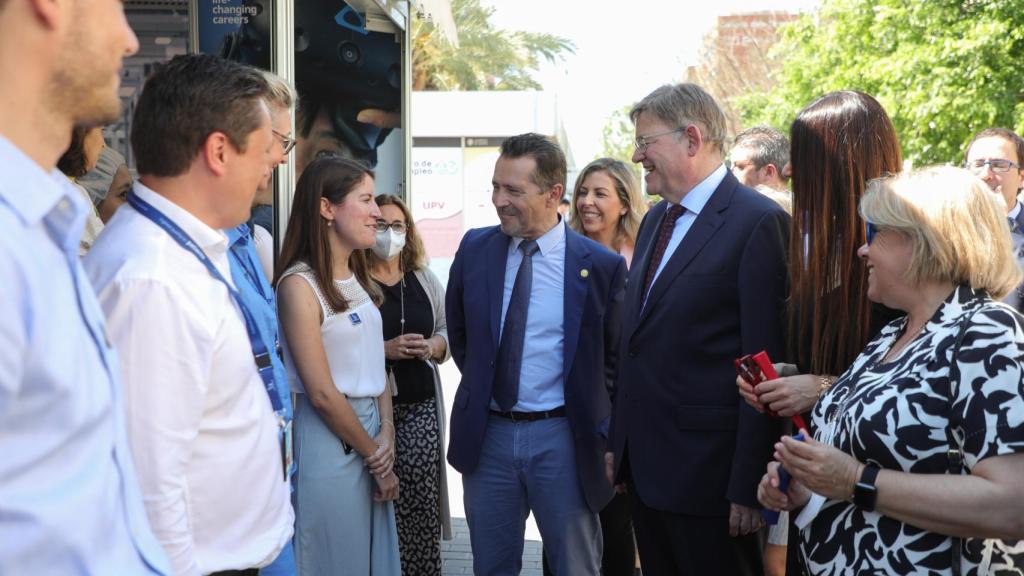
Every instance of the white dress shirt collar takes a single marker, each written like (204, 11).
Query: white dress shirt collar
(1016, 210)
(210, 240)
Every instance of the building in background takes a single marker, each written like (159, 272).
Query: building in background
(456, 137)
(735, 59)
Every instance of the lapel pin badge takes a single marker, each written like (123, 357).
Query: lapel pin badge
(584, 273)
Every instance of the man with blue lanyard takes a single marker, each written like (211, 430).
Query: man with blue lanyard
(69, 497)
(206, 422)
(253, 285)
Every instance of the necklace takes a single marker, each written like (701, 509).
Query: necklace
(401, 320)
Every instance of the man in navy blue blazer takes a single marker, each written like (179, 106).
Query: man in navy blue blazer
(533, 322)
(707, 284)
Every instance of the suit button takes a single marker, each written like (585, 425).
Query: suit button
(632, 353)
(492, 364)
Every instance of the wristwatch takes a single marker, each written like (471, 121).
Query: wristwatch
(864, 493)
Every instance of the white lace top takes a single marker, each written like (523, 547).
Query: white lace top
(353, 340)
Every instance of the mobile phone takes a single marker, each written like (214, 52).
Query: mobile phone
(757, 368)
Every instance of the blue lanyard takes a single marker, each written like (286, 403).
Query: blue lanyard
(259, 349)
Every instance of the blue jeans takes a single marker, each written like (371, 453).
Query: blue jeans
(528, 466)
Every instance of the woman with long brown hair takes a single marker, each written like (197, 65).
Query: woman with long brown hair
(334, 353)
(838, 143)
(415, 341)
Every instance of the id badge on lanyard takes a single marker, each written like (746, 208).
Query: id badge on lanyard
(260, 352)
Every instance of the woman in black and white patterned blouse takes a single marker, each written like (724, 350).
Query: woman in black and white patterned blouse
(876, 488)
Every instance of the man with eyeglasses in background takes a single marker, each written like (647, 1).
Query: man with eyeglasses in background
(707, 285)
(996, 155)
(251, 256)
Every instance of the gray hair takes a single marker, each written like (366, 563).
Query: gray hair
(281, 94)
(769, 146)
(678, 105)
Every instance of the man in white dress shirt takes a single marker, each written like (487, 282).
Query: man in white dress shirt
(69, 498)
(201, 419)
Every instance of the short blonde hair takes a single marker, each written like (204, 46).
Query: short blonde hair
(957, 223)
(281, 94)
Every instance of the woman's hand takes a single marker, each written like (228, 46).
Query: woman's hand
(823, 469)
(405, 347)
(789, 395)
(746, 391)
(387, 487)
(770, 497)
(383, 460)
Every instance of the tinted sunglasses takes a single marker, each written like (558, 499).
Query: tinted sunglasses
(871, 232)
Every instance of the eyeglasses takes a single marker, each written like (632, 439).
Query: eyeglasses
(998, 165)
(287, 142)
(871, 231)
(397, 226)
(642, 142)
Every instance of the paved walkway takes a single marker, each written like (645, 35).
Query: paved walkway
(457, 559)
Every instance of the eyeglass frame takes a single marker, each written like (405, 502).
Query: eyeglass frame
(382, 225)
(870, 230)
(977, 168)
(287, 142)
(640, 143)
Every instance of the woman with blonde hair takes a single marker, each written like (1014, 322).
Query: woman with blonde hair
(918, 448)
(415, 341)
(608, 206)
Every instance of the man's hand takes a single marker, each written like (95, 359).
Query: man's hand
(743, 520)
(609, 472)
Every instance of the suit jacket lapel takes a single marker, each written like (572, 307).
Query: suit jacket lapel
(577, 277)
(496, 259)
(641, 260)
(704, 227)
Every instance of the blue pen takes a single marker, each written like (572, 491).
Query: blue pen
(771, 517)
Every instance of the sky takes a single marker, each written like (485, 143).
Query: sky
(623, 51)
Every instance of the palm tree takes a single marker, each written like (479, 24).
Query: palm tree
(485, 58)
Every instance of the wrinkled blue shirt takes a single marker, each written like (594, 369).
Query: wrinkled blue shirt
(247, 275)
(69, 498)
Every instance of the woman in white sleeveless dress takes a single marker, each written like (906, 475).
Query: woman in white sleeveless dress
(334, 351)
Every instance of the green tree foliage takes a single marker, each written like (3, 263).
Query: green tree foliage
(617, 137)
(943, 69)
(485, 59)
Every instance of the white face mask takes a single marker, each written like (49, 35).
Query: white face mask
(388, 244)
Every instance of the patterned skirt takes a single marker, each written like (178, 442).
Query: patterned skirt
(417, 463)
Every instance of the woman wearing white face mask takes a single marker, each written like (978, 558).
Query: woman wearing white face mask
(415, 341)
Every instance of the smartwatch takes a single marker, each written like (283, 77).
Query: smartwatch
(865, 494)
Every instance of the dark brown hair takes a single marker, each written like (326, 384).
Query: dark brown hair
(839, 142)
(307, 238)
(1004, 133)
(73, 162)
(414, 256)
(546, 154)
(186, 100)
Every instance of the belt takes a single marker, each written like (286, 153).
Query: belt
(531, 416)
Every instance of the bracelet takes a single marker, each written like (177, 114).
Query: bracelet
(826, 383)
(386, 421)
